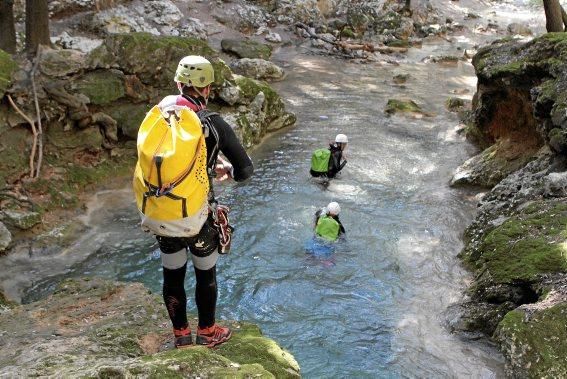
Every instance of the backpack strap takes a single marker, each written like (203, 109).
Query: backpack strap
(208, 129)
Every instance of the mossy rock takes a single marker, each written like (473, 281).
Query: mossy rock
(129, 117)
(246, 48)
(61, 63)
(15, 145)
(7, 68)
(92, 327)
(101, 86)
(454, 103)
(528, 244)
(249, 88)
(535, 344)
(90, 138)
(402, 106)
(153, 59)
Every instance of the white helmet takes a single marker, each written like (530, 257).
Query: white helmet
(333, 208)
(341, 138)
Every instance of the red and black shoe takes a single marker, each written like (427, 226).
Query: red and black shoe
(212, 336)
(183, 338)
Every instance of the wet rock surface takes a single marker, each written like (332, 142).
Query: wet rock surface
(96, 328)
(516, 243)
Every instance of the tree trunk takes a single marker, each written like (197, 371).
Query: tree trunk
(37, 24)
(7, 28)
(553, 17)
(564, 17)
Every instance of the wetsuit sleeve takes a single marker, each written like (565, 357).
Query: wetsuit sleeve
(341, 227)
(233, 150)
(334, 163)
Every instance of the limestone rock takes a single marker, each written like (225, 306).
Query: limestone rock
(246, 48)
(61, 63)
(519, 29)
(20, 219)
(121, 329)
(5, 237)
(257, 69)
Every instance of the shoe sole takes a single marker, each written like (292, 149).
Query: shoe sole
(216, 343)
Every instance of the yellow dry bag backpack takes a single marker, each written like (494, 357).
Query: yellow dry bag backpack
(171, 184)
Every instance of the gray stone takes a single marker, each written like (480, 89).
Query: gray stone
(21, 219)
(246, 48)
(5, 237)
(519, 29)
(60, 63)
(555, 184)
(230, 94)
(257, 69)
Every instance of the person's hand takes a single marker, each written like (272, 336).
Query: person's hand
(223, 170)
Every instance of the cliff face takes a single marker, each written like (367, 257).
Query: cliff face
(517, 244)
(99, 329)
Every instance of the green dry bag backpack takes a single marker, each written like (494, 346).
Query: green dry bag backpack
(320, 160)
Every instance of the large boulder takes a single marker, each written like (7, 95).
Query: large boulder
(257, 69)
(153, 59)
(522, 93)
(243, 48)
(533, 339)
(95, 328)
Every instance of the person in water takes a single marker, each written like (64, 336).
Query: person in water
(327, 223)
(193, 77)
(329, 163)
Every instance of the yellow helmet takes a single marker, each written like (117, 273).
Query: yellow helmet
(195, 71)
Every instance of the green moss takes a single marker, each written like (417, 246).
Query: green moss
(153, 59)
(246, 48)
(15, 145)
(536, 346)
(249, 346)
(102, 86)
(397, 106)
(348, 33)
(530, 243)
(454, 103)
(64, 193)
(129, 117)
(7, 67)
(249, 88)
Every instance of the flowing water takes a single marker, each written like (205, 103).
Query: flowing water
(373, 308)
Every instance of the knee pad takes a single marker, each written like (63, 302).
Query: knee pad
(175, 260)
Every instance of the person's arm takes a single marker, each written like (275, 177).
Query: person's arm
(341, 227)
(241, 164)
(334, 163)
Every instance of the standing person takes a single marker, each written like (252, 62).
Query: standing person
(193, 77)
(329, 162)
(327, 223)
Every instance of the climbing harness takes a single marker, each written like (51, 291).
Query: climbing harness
(221, 223)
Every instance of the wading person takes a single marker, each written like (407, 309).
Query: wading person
(327, 223)
(178, 147)
(327, 163)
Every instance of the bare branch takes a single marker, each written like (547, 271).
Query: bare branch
(32, 124)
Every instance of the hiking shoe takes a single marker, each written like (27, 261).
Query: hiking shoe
(183, 338)
(212, 336)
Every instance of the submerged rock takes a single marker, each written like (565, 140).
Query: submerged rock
(95, 328)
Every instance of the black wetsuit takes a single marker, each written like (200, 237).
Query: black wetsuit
(206, 243)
